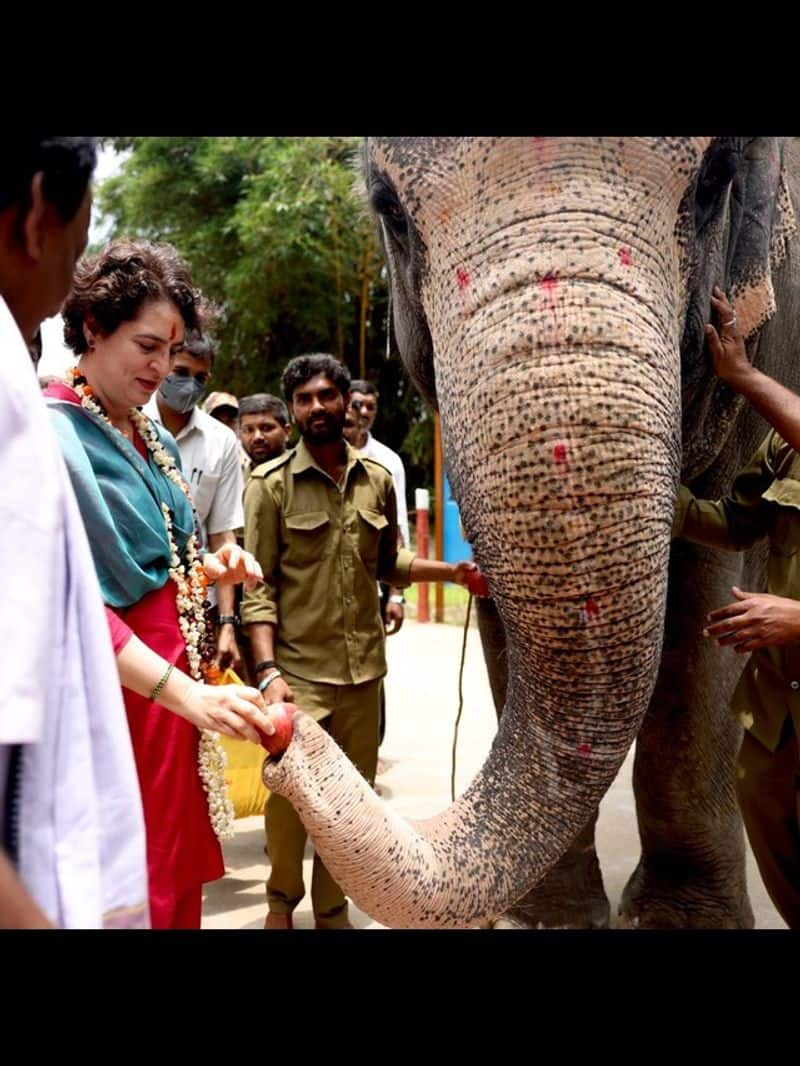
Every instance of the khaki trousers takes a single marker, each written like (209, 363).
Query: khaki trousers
(767, 787)
(350, 713)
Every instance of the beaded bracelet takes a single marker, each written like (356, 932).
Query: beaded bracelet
(162, 682)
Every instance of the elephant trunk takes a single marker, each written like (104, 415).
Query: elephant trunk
(565, 471)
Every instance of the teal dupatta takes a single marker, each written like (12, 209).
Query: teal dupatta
(120, 494)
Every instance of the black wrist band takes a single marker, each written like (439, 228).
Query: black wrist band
(228, 619)
(265, 665)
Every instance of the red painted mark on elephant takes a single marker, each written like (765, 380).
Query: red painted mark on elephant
(549, 283)
(463, 278)
(560, 455)
(625, 257)
(584, 749)
(591, 609)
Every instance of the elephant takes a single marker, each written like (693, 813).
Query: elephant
(549, 298)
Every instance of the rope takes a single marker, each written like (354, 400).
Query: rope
(460, 700)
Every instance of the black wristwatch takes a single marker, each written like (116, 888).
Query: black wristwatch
(229, 620)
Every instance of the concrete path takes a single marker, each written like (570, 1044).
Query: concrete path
(422, 701)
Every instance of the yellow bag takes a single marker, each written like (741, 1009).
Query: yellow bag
(247, 791)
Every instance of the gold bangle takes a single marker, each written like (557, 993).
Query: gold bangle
(162, 682)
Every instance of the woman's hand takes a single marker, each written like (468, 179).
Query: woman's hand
(755, 620)
(234, 710)
(727, 348)
(231, 565)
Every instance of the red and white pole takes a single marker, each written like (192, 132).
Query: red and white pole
(422, 502)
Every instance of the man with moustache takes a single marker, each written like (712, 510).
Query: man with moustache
(322, 521)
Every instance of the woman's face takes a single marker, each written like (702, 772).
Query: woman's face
(126, 367)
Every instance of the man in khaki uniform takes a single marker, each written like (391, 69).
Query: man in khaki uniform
(322, 521)
(764, 503)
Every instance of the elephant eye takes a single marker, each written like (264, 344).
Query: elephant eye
(718, 170)
(384, 202)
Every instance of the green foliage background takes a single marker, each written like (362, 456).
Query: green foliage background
(278, 235)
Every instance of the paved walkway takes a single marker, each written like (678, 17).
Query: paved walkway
(422, 701)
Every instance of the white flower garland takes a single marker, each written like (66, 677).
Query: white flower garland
(191, 582)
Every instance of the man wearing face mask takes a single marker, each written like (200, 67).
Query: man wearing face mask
(210, 457)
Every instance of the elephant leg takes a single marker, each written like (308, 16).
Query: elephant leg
(572, 894)
(691, 874)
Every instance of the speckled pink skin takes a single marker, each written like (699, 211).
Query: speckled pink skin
(551, 277)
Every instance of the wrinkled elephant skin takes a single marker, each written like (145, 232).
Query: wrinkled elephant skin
(549, 296)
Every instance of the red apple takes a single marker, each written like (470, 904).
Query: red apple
(281, 715)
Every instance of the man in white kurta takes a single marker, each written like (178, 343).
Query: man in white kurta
(71, 822)
(75, 807)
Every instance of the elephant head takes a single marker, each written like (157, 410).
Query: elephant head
(549, 296)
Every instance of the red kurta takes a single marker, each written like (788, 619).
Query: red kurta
(182, 849)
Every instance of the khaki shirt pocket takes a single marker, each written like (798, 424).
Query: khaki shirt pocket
(370, 528)
(308, 536)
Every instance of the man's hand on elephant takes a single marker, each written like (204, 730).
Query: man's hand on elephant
(728, 353)
(470, 576)
(461, 572)
(755, 620)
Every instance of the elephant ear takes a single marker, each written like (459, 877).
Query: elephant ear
(762, 223)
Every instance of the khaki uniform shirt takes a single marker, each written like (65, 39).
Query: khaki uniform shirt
(321, 548)
(764, 502)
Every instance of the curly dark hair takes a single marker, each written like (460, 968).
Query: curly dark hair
(305, 367)
(110, 288)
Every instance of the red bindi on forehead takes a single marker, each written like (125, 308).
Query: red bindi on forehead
(173, 333)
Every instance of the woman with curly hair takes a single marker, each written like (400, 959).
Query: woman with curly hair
(125, 319)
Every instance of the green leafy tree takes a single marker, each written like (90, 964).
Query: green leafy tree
(279, 238)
